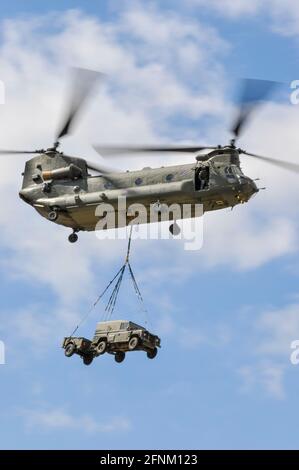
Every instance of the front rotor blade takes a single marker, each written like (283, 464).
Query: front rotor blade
(83, 83)
(280, 163)
(19, 152)
(253, 92)
(114, 151)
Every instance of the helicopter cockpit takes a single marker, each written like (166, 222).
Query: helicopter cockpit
(234, 174)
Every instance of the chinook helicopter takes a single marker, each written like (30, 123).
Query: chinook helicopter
(61, 188)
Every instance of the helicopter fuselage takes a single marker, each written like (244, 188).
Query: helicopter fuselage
(61, 189)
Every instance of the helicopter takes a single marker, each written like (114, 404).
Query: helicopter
(62, 189)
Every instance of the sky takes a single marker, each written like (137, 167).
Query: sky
(226, 314)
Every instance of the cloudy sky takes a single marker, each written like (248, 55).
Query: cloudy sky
(227, 313)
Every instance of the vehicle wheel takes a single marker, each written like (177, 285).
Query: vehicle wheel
(133, 343)
(102, 346)
(120, 356)
(87, 359)
(174, 229)
(69, 350)
(152, 353)
(73, 238)
(53, 215)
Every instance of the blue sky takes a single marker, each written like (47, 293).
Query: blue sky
(227, 314)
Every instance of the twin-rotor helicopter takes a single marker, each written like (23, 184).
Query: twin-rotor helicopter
(61, 188)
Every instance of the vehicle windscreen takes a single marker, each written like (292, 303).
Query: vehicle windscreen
(134, 326)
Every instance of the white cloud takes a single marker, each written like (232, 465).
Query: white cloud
(284, 15)
(192, 338)
(278, 329)
(195, 336)
(59, 418)
(274, 331)
(252, 242)
(40, 327)
(231, 8)
(264, 376)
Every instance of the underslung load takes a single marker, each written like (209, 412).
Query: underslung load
(116, 337)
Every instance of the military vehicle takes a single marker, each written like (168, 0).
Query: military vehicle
(61, 188)
(114, 337)
(81, 346)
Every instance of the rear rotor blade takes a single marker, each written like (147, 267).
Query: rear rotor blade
(101, 168)
(253, 92)
(83, 83)
(280, 163)
(115, 151)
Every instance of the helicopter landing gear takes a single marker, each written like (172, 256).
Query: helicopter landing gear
(174, 229)
(73, 238)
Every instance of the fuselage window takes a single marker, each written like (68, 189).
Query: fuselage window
(138, 181)
(108, 185)
(169, 177)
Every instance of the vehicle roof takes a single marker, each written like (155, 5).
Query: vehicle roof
(103, 324)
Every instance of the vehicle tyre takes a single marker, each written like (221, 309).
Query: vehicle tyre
(133, 343)
(101, 347)
(87, 359)
(152, 353)
(120, 356)
(73, 238)
(69, 350)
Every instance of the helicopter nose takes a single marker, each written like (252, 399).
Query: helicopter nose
(248, 188)
(251, 188)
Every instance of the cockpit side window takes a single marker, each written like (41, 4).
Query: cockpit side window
(230, 175)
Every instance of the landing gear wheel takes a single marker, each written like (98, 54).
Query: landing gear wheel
(133, 343)
(101, 348)
(174, 229)
(87, 359)
(69, 350)
(120, 356)
(73, 238)
(152, 353)
(52, 216)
